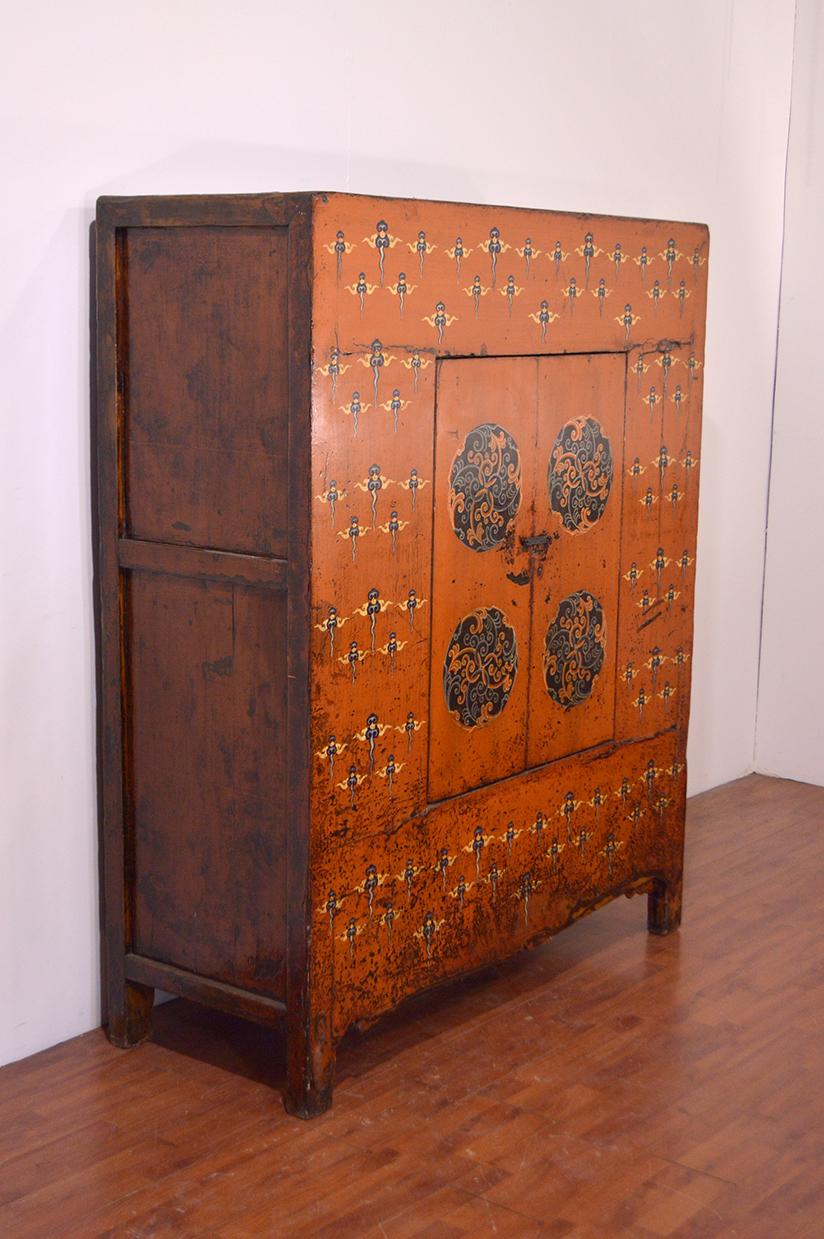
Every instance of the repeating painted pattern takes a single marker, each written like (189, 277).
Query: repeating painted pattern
(400, 285)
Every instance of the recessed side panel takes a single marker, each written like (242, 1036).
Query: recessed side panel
(206, 684)
(579, 460)
(661, 472)
(484, 495)
(204, 339)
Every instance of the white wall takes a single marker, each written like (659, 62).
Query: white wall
(790, 737)
(652, 108)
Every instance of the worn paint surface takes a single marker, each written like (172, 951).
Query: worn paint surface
(447, 428)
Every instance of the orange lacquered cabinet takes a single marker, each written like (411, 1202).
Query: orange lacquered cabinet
(429, 471)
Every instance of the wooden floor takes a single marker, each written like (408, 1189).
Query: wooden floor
(608, 1083)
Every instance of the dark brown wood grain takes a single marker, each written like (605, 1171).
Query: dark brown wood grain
(120, 1001)
(310, 1065)
(152, 974)
(206, 673)
(206, 400)
(198, 562)
(193, 339)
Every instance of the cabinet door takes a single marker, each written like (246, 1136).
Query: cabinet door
(580, 447)
(528, 471)
(484, 503)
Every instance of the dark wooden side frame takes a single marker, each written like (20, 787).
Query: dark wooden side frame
(130, 979)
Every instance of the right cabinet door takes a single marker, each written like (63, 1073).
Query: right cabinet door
(578, 503)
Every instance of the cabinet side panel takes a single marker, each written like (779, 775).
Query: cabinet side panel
(206, 676)
(206, 379)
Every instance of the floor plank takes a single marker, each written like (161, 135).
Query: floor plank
(606, 1083)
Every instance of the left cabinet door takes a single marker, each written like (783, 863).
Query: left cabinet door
(484, 508)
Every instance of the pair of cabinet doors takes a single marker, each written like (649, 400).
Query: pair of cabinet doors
(528, 499)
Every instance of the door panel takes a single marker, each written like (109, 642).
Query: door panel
(484, 499)
(528, 494)
(580, 448)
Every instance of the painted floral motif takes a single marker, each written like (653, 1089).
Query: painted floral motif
(580, 473)
(574, 649)
(485, 487)
(480, 667)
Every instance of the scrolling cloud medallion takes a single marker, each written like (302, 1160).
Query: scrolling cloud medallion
(480, 667)
(574, 649)
(580, 473)
(485, 487)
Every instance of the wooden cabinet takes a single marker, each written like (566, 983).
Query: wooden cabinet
(396, 520)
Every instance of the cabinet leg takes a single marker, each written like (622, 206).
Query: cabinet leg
(310, 1070)
(130, 1014)
(664, 906)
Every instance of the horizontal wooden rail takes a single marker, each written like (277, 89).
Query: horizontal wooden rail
(172, 559)
(204, 990)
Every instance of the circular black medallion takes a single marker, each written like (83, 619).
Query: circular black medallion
(580, 473)
(574, 649)
(480, 667)
(485, 487)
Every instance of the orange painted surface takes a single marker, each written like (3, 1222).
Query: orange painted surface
(447, 654)
(484, 500)
(580, 448)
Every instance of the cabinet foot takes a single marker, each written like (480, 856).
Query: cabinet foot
(310, 1071)
(130, 1014)
(664, 906)
(309, 1102)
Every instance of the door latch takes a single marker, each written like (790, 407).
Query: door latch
(537, 542)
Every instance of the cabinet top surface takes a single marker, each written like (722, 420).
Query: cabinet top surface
(446, 203)
(190, 202)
